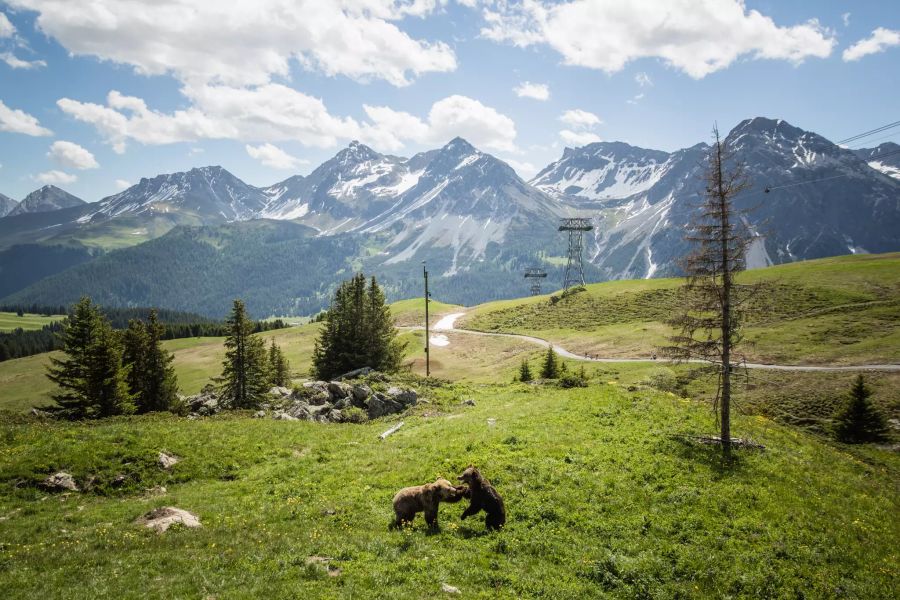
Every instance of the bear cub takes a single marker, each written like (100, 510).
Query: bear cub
(426, 498)
(484, 497)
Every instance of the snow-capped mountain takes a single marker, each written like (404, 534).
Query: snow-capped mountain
(208, 195)
(884, 158)
(822, 200)
(603, 170)
(45, 199)
(6, 205)
(355, 185)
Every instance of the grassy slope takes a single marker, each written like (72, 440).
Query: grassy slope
(601, 501)
(10, 321)
(410, 313)
(843, 310)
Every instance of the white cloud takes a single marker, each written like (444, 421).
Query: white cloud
(55, 177)
(17, 121)
(277, 113)
(698, 37)
(578, 138)
(274, 157)
(536, 91)
(72, 156)
(880, 40)
(453, 116)
(7, 29)
(643, 80)
(523, 169)
(636, 99)
(246, 43)
(580, 118)
(845, 18)
(17, 63)
(122, 184)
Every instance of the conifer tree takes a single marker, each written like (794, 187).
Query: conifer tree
(134, 354)
(525, 371)
(550, 368)
(358, 332)
(279, 368)
(245, 372)
(160, 388)
(858, 421)
(91, 377)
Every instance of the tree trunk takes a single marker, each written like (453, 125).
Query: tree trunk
(725, 416)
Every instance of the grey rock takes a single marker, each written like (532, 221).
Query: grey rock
(61, 481)
(449, 589)
(283, 416)
(167, 461)
(335, 416)
(260, 414)
(320, 398)
(299, 410)
(279, 391)
(160, 519)
(354, 373)
(360, 393)
(468, 402)
(342, 404)
(404, 397)
(338, 389)
(380, 405)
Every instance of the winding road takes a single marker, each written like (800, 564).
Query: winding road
(448, 323)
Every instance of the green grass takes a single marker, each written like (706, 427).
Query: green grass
(602, 502)
(843, 310)
(10, 321)
(411, 312)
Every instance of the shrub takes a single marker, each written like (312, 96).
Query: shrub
(354, 414)
(572, 381)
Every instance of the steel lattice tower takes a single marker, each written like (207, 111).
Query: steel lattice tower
(535, 275)
(575, 265)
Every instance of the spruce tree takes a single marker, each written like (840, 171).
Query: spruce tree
(550, 368)
(358, 332)
(858, 421)
(134, 354)
(160, 389)
(525, 371)
(279, 368)
(91, 377)
(245, 372)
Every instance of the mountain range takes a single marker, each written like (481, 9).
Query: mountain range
(465, 212)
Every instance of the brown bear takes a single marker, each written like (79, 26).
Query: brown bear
(426, 498)
(484, 497)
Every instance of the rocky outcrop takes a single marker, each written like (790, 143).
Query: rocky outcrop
(61, 481)
(160, 519)
(320, 401)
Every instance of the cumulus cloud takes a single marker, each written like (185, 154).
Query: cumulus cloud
(72, 156)
(274, 157)
(276, 113)
(643, 80)
(17, 121)
(580, 118)
(523, 169)
(247, 43)
(7, 29)
(536, 91)
(17, 63)
(122, 184)
(55, 177)
(698, 37)
(880, 40)
(453, 116)
(578, 138)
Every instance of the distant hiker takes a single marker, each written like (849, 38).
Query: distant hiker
(484, 497)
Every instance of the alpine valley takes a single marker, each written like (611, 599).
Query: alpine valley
(193, 241)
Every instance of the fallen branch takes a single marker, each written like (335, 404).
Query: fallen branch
(716, 440)
(391, 430)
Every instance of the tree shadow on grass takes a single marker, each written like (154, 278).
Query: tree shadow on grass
(710, 456)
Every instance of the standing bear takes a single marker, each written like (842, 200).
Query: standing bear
(426, 498)
(484, 497)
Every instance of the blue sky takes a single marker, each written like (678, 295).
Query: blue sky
(96, 95)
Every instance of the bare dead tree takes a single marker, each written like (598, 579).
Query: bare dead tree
(709, 327)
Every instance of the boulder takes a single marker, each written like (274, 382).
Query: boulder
(280, 392)
(335, 416)
(160, 519)
(360, 393)
(283, 416)
(315, 386)
(316, 411)
(167, 461)
(338, 390)
(260, 414)
(380, 405)
(404, 397)
(449, 589)
(61, 481)
(468, 402)
(320, 398)
(342, 404)
(299, 410)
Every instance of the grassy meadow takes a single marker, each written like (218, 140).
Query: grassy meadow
(843, 310)
(604, 499)
(10, 321)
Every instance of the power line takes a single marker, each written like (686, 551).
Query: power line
(870, 132)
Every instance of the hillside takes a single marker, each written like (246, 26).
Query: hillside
(601, 500)
(841, 310)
